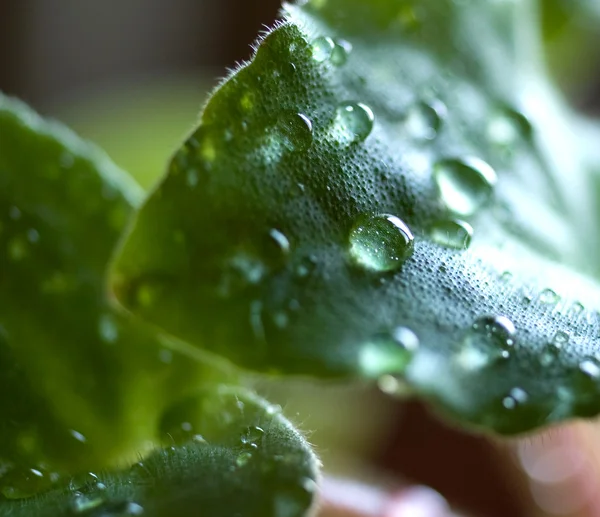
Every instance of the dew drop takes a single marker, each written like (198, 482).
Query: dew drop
(20, 483)
(548, 297)
(452, 234)
(293, 132)
(118, 509)
(507, 127)
(84, 504)
(424, 120)
(560, 339)
(77, 436)
(388, 353)
(306, 266)
(380, 242)
(107, 328)
(33, 236)
(280, 241)
(464, 185)
(243, 458)
(489, 339)
(253, 436)
(322, 49)
(355, 120)
(590, 368)
(340, 52)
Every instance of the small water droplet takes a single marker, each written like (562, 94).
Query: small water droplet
(78, 436)
(108, 329)
(388, 352)
(576, 309)
(84, 504)
(452, 234)
(355, 120)
(517, 396)
(293, 132)
(590, 368)
(20, 483)
(340, 52)
(549, 297)
(252, 436)
(281, 241)
(322, 49)
(560, 339)
(117, 509)
(506, 128)
(424, 120)
(192, 178)
(464, 185)
(306, 266)
(380, 242)
(243, 458)
(33, 236)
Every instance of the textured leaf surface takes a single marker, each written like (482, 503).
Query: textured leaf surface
(260, 244)
(82, 385)
(246, 459)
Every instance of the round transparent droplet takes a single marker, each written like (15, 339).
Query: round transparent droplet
(355, 120)
(464, 185)
(322, 48)
(388, 353)
(108, 329)
(20, 483)
(252, 436)
(293, 132)
(560, 339)
(516, 397)
(590, 369)
(380, 242)
(452, 234)
(280, 242)
(424, 120)
(548, 297)
(490, 338)
(507, 128)
(340, 52)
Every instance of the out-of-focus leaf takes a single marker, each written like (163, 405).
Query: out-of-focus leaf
(245, 459)
(82, 385)
(278, 237)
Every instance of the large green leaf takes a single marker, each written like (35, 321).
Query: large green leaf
(268, 241)
(245, 459)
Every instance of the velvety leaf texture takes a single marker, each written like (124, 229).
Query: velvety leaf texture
(248, 461)
(281, 237)
(85, 387)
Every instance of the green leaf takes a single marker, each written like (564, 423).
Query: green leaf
(246, 459)
(82, 385)
(279, 238)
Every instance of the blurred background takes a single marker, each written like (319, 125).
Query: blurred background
(132, 75)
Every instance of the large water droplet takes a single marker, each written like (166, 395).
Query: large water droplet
(452, 234)
(507, 127)
(355, 120)
(549, 297)
(464, 185)
(293, 132)
(489, 339)
(424, 120)
(380, 242)
(20, 483)
(340, 52)
(322, 49)
(388, 353)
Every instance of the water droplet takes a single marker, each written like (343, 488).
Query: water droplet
(252, 436)
(590, 368)
(306, 266)
(192, 178)
(500, 328)
(117, 509)
(281, 241)
(464, 185)
(424, 120)
(576, 309)
(549, 297)
(83, 503)
(380, 242)
(20, 483)
(293, 132)
(506, 128)
(452, 234)
(388, 353)
(489, 339)
(33, 236)
(322, 49)
(516, 397)
(243, 458)
(78, 436)
(340, 52)
(560, 339)
(355, 120)
(107, 328)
